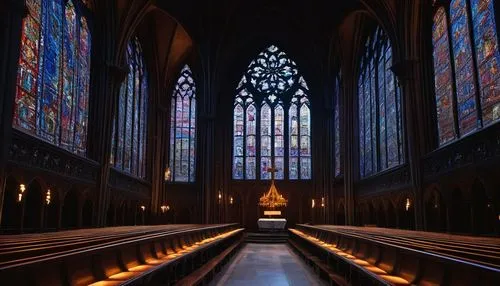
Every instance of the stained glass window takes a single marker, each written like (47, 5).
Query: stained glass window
(128, 145)
(466, 58)
(183, 128)
(272, 102)
(379, 104)
(336, 125)
(54, 74)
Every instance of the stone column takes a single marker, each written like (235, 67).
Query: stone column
(414, 73)
(12, 13)
(107, 74)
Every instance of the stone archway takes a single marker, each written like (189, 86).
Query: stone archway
(87, 213)
(483, 215)
(70, 210)
(459, 213)
(33, 207)
(52, 211)
(435, 212)
(12, 209)
(340, 217)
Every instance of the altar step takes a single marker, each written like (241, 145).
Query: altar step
(266, 237)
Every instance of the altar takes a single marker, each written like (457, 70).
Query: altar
(271, 223)
(272, 202)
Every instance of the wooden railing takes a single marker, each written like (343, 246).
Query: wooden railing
(121, 255)
(376, 256)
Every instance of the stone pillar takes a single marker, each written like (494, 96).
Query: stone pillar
(12, 13)
(414, 73)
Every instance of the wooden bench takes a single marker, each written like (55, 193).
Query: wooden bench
(319, 265)
(125, 259)
(399, 257)
(207, 271)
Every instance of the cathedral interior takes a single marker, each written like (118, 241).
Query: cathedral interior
(155, 142)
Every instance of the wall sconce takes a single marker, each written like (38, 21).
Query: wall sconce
(220, 196)
(407, 206)
(22, 188)
(47, 197)
(165, 208)
(323, 202)
(313, 203)
(143, 208)
(168, 174)
(231, 200)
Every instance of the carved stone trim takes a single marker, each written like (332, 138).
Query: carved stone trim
(480, 148)
(29, 152)
(136, 187)
(397, 178)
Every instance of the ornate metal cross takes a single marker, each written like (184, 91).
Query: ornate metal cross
(272, 170)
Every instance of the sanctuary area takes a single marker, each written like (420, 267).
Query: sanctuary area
(249, 142)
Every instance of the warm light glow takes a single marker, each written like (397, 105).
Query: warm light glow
(407, 204)
(220, 195)
(165, 208)
(313, 203)
(119, 278)
(272, 212)
(323, 202)
(231, 200)
(168, 174)
(22, 188)
(361, 262)
(272, 199)
(47, 197)
(143, 208)
(395, 279)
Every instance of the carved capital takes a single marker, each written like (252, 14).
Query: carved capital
(403, 70)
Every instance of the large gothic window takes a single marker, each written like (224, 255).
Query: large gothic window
(183, 128)
(128, 150)
(336, 125)
(272, 120)
(53, 77)
(380, 129)
(466, 62)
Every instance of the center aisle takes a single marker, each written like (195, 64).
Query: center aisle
(267, 264)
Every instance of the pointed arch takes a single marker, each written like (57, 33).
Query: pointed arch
(272, 101)
(128, 145)
(183, 128)
(54, 74)
(379, 108)
(466, 62)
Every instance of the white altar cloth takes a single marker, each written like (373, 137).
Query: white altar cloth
(271, 223)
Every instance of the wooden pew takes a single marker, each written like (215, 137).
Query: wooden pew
(207, 271)
(125, 259)
(395, 257)
(319, 265)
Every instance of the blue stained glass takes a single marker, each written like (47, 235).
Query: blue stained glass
(463, 67)
(488, 58)
(443, 78)
(265, 141)
(361, 112)
(53, 76)
(272, 75)
(183, 124)
(379, 103)
(336, 123)
(129, 130)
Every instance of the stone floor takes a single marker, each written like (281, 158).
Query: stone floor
(266, 264)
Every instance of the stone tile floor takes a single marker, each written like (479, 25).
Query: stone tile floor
(267, 264)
